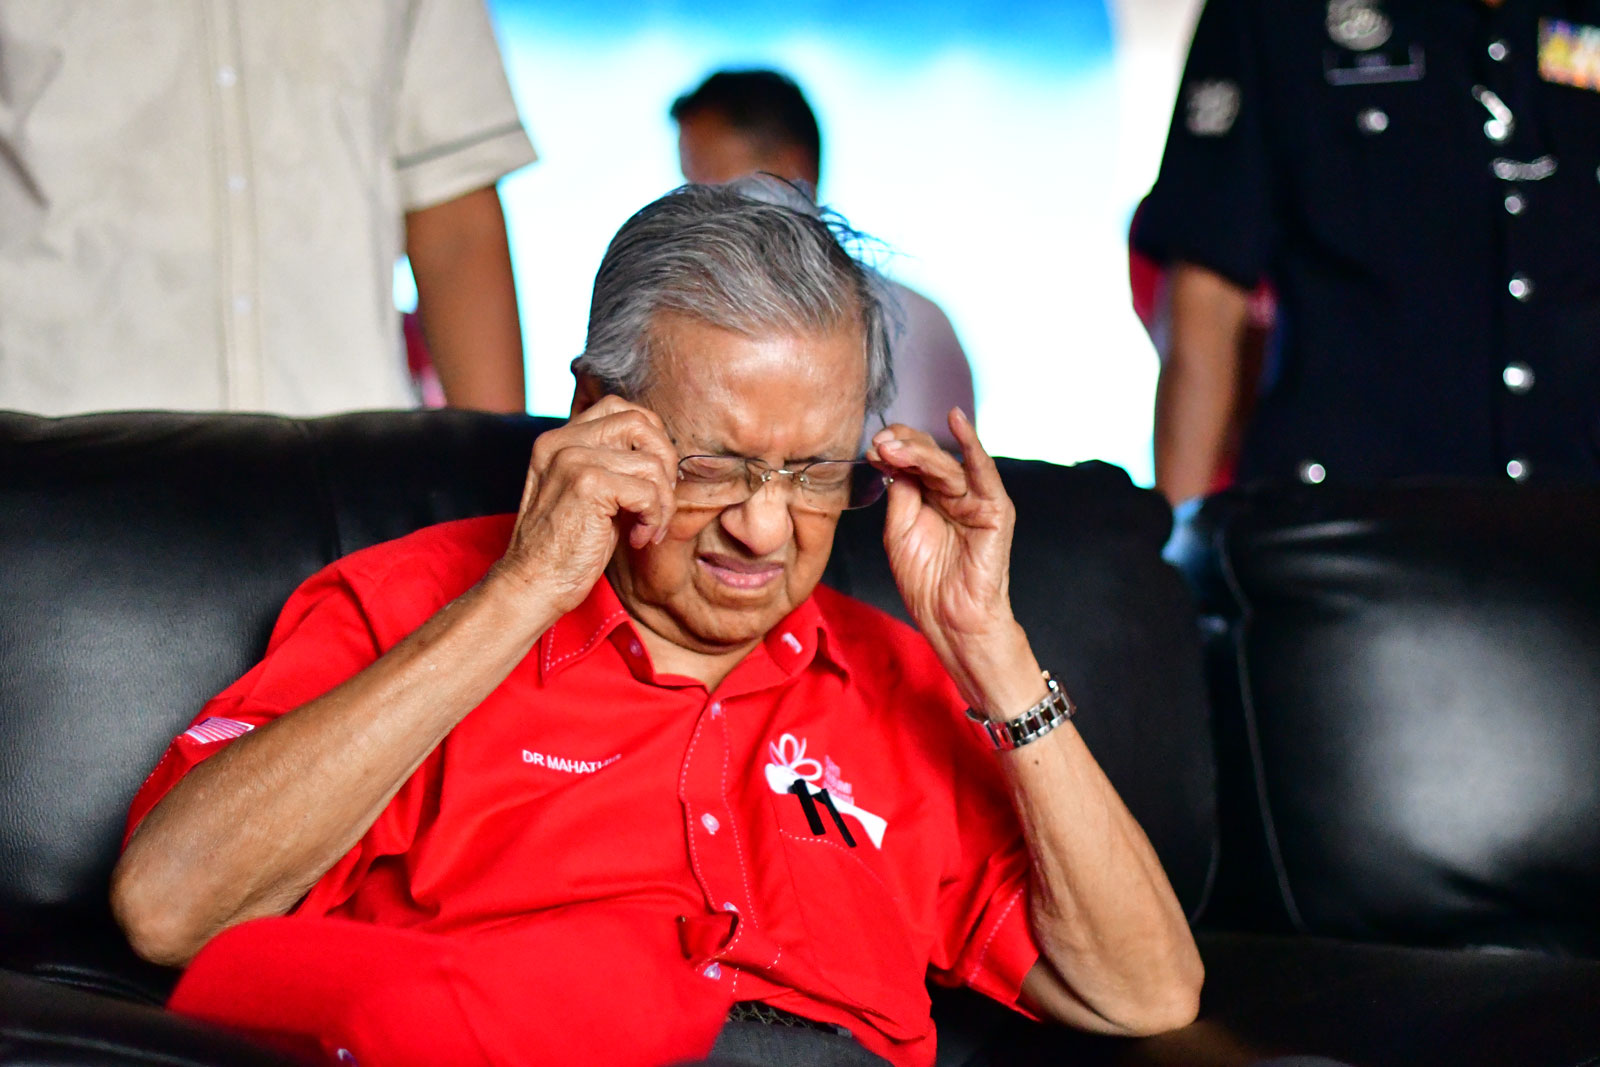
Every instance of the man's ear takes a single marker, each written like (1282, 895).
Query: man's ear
(586, 391)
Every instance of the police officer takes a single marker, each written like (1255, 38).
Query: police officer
(1419, 180)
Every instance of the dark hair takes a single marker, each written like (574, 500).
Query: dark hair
(763, 104)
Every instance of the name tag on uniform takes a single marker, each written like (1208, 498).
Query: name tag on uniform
(1569, 54)
(1374, 68)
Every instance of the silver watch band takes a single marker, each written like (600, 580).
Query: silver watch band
(1055, 709)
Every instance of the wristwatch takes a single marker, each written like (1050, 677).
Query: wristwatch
(1055, 709)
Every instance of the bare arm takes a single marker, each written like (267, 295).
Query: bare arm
(467, 300)
(1117, 953)
(250, 830)
(1199, 388)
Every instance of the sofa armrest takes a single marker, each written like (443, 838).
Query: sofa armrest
(1270, 996)
(44, 1023)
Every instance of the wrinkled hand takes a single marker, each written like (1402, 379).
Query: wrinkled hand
(948, 536)
(609, 470)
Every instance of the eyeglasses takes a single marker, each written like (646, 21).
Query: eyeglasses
(828, 486)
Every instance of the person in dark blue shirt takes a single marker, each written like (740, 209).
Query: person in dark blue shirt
(1417, 180)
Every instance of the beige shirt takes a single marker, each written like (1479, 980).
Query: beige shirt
(202, 201)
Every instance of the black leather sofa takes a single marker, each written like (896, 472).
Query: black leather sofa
(1380, 810)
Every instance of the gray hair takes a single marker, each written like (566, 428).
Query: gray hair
(755, 256)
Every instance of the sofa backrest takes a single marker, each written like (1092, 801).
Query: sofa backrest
(146, 556)
(1408, 711)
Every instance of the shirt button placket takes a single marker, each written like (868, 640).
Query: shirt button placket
(715, 854)
(243, 380)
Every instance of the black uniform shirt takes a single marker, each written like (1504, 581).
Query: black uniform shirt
(1426, 203)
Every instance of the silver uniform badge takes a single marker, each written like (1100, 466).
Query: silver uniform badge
(1212, 106)
(1358, 25)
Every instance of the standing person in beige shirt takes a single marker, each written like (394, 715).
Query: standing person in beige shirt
(202, 202)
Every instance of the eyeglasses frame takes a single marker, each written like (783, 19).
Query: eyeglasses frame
(759, 472)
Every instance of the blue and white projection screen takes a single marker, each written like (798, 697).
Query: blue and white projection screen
(997, 148)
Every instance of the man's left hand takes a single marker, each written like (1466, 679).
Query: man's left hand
(948, 536)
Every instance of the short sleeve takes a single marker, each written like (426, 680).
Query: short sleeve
(323, 637)
(456, 125)
(988, 941)
(1212, 201)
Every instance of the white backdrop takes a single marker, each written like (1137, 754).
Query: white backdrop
(1004, 182)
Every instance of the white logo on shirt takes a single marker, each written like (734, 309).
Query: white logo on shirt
(790, 764)
(1212, 107)
(571, 766)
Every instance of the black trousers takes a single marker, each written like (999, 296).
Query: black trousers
(753, 1044)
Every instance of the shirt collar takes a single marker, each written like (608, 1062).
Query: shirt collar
(800, 637)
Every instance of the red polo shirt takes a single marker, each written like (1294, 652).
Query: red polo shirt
(634, 826)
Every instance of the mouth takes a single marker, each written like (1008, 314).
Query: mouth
(742, 574)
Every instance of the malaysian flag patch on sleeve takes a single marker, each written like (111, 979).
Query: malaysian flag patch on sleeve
(215, 728)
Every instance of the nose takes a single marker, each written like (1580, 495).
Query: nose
(762, 524)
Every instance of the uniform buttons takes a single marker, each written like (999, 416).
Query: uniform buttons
(1520, 286)
(1501, 121)
(730, 907)
(242, 304)
(716, 709)
(1498, 51)
(709, 821)
(1373, 120)
(227, 76)
(712, 971)
(1515, 203)
(635, 648)
(1312, 472)
(1518, 377)
(1517, 469)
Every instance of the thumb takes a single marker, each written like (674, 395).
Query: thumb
(905, 501)
(530, 486)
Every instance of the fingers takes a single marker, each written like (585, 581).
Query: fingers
(983, 476)
(608, 405)
(623, 437)
(615, 423)
(905, 501)
(899, 448)
(614, 482)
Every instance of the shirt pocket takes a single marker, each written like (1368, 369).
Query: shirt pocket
(856, 922)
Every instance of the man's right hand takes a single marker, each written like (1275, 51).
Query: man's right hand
(248, 832)
(609, 470)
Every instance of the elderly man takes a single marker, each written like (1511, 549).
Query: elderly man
(614, 780)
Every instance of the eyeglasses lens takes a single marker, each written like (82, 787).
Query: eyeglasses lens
(827, 486)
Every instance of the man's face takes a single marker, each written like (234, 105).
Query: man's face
(713, 152)
(722, 579)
